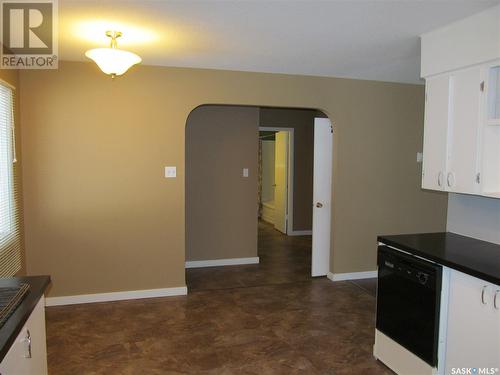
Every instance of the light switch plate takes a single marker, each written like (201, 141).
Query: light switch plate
(420, 157)
(245, 172)
(170, 172)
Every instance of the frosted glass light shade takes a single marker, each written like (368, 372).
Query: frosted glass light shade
(113, 61)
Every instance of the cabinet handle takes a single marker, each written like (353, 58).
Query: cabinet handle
(440, 179)
(450, 179)
(483, 301)
(495, 304)
(27, 342)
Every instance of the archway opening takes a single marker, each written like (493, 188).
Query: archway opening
(249, 196)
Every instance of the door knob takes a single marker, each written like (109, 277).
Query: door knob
(319, 205)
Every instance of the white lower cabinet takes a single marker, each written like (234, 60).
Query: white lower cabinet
(28, 353)
(473, 332)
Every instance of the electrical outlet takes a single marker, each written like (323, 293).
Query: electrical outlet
(170, 172)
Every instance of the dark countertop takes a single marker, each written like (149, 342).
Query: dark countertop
(477, 258)
(14, 324)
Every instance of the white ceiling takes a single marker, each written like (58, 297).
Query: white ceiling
(375, 39)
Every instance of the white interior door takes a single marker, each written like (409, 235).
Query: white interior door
(322, 196)
(281, 181)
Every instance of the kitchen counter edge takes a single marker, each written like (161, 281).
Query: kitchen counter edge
(493, 277)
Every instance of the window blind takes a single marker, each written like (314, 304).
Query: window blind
(10, 215)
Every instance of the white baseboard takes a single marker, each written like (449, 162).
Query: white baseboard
(351, 275)
(300, 233)
(221, 262)
(115, 296)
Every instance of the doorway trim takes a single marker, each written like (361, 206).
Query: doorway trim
(290, 170)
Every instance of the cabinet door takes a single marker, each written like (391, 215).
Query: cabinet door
(473, 338)
(490, 137)
(463, 133)
(437, 91)
(24, 357)
(36, 324)
(15, 361)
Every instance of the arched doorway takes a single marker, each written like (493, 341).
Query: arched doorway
(223, 159)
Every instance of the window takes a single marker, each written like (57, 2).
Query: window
(10, 238)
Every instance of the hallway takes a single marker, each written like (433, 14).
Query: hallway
(283, 259)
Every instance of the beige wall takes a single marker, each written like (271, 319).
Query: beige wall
(302, 121)
(11, 76)
(100, 216)
(221, 204)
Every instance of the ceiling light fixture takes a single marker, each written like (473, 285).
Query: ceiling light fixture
(113, 61)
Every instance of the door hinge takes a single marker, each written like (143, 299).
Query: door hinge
(478, 178)
(481, 86)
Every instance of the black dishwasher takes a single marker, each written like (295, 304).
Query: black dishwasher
(408, 302)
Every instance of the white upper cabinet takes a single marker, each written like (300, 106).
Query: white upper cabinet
(493, 91)
(451, 133)
(437, 91)
(462, 172)
(461, 66)
(490, 133)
